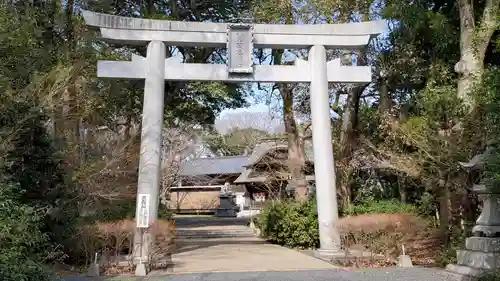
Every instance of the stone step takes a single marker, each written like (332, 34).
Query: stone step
(476, 259)
(483, 244)
(213, 233)
(462, 271)
(213, 236)
(181, 221)
(232, 240)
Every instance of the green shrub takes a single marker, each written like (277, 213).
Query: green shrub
(447, 255)
(23, 246)
(427, 205)
(379, 206)
(115, 210)
(456, 241)
(16, 267)
(122, 209)
(493, 276)
(290, 224)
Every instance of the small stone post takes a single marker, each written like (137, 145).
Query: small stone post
(151, 140)
(324, 168)
(404, 260)
(94, 270)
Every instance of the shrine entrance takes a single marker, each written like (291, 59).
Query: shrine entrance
(240, 39)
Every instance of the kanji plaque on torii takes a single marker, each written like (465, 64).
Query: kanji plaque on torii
(240, 39)
(240, 48)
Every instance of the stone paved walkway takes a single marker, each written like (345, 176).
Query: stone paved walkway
(228, 245)
(226, 250)
(378, 274)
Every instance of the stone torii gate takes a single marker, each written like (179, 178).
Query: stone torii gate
(240, 40)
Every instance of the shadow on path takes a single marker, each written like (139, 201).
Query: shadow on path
(195, 222)
(376, 274)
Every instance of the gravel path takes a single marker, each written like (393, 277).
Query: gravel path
(379, 274)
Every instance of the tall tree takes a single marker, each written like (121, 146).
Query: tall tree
(236, 141)
(286, 12)
(478, 22)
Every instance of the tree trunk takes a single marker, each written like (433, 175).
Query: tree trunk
(296, 157)
(444, 199)
(70, 5)
(348, 132)
(385, 103)
(403, 192)
(474, 41)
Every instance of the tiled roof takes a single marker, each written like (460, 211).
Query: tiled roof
(214, 165)
(249, 176)
(235, 164)
(263, 148)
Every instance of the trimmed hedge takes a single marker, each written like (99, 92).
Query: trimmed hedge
(290, 224)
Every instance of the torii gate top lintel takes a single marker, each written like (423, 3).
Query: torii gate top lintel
(180, 33)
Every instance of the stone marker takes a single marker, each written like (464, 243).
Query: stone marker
(404, 260)
(94, 270)
(141, 269)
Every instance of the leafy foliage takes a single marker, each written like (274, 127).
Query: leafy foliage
(493, 276)
(55, 160)
(32, 162)
(379, 206)
(23, 246)
(489, 97)
(236, 141)
(291, 224)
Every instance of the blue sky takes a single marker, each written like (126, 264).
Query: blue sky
(255, 107)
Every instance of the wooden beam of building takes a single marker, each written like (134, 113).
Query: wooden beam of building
(196, 187)
(177, 71)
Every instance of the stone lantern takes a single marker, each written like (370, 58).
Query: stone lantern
(227, 205)
(482, 250)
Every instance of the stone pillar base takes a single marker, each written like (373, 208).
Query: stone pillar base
(465, 271)
(330, 255)
(404, 261)
(227, 207)
(482, 255)
(141, 269)
(93, 270)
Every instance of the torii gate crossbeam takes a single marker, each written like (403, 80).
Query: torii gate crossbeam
(208, 34)
(178, 71)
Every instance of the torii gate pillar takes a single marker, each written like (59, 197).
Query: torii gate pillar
(324, 168)
(150, 158)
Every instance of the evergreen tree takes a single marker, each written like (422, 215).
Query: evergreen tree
(32, 163)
